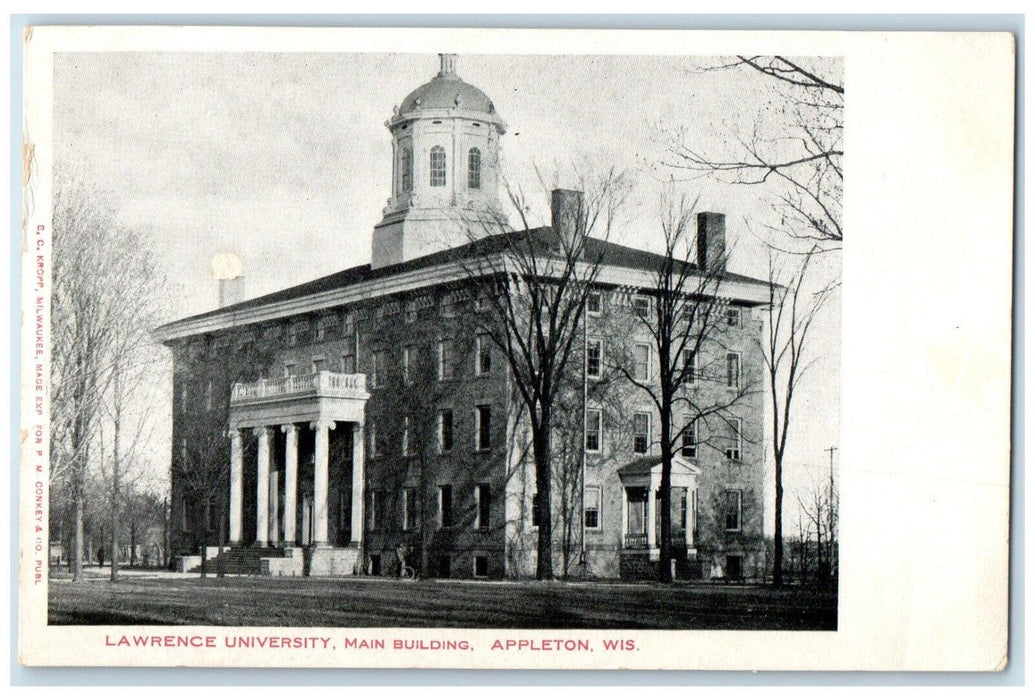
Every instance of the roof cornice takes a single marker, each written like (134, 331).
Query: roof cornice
(754, 292)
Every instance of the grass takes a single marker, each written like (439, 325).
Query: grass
(350, 602)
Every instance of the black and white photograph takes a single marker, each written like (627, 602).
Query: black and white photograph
(361, 351)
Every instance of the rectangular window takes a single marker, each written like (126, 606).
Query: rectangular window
(690, 367)
(408, 358)
(594, 356)
(682, 509)
(377, 509)
(535, 510)
(641, 433)
(483, 355)
(594, 303)
(690, 313)
(733, 451)
(445, 360)
(447, 306)
(483, 427)
(641, 362)
(445, 430)
(208, 395)
(689, 447)
(320, 332)
(409, 509)
(377, 369)
(482, 503)
(375, 447)
(183, 514)
(593, 429)
(183, 398)
(347, 325)
(641, 305)
(733, 510)
(348, 363)
(733, 370)
(292, 336)
(733, 317)
(481, 566)
(319, 364)
(290, 369)
(592, 516)
(445, 506)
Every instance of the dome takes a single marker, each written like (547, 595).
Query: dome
(447, 91)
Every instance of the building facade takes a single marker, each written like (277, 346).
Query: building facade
(317, 428)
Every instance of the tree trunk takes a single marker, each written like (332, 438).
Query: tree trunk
(133, 543)
(778, 542)
(77, 537)
(665, 564)
(541, 449)
(115, 495)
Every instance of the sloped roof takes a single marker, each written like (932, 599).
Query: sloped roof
(543, 238)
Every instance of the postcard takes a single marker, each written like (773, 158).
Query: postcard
(429, 348)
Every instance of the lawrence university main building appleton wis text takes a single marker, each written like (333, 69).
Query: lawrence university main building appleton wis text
(316, 428)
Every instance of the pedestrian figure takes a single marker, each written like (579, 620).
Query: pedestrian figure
(100, 557)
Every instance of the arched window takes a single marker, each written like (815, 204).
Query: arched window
(474, 169)
(405, 170)
(438, 167)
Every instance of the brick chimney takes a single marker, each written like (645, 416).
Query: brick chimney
(567, 216)
(231, 291)
(711, 241)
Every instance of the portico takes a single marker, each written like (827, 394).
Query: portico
(291, 490)
(641, 507)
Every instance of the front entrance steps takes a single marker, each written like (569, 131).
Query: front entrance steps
(273, 561)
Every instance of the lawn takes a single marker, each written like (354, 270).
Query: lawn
(351, 602)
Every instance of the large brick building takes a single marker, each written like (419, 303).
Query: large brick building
(318, 427)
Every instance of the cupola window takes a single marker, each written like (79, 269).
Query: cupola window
(474, 169)
(406, 170)
(438, 167)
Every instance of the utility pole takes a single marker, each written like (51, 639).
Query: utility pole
(830, 512)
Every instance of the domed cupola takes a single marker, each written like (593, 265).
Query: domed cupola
(445, 169)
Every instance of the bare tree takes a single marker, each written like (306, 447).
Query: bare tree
(534, 284)
(817, 517)
(685, 323)
(794, 148)
(102, 302)
(792, 311)
(202, 459)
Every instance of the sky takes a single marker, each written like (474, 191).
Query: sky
(284, 160)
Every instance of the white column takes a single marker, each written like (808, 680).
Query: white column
(262, 501)
(274, 507)
(236, 486)
(320, 480)
(358, 480)
(290, 481)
